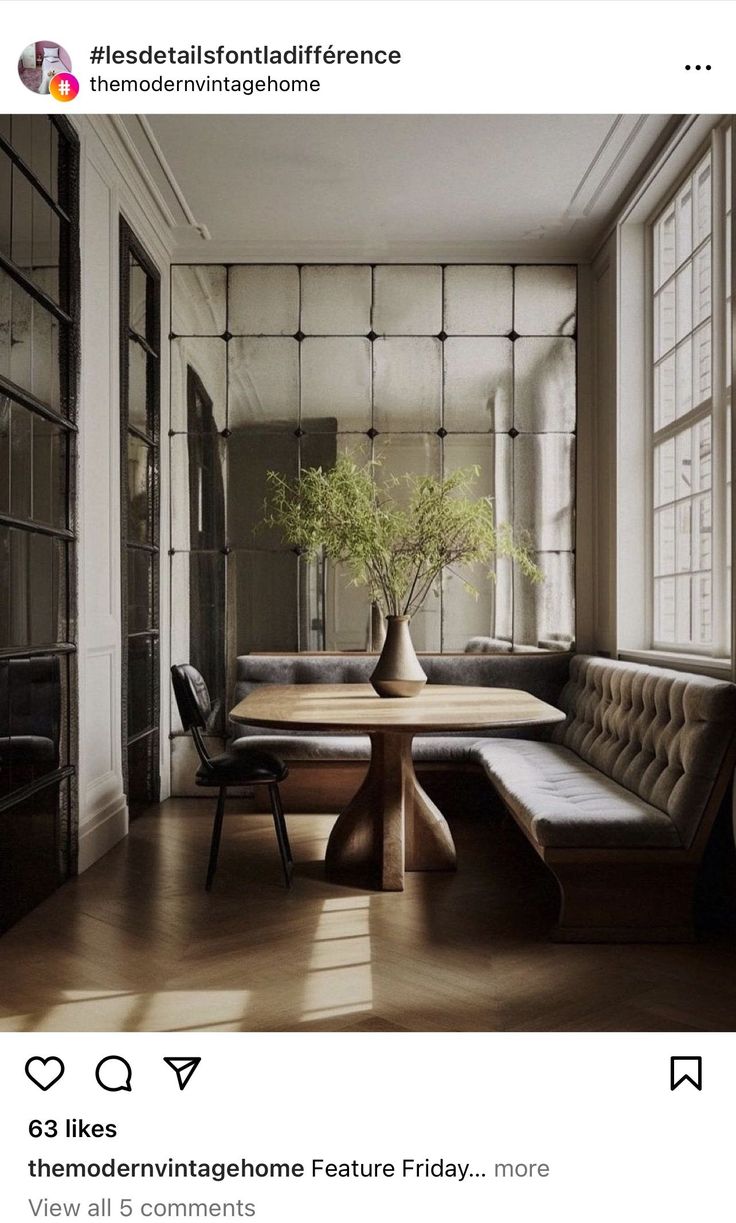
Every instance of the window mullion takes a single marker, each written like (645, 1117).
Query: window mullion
(686, 421)
(721, 631)
(690, 606)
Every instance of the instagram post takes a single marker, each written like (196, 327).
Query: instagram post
(367, 636)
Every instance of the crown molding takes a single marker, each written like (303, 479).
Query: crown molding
(105, 150)
(620, 139)
(678, 143)
(178, 213)
(628, 144)
(560, 248)
(171, 178)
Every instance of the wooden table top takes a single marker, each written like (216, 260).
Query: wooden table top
(358, 708)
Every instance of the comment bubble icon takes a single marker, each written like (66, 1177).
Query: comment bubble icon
(113, 1073)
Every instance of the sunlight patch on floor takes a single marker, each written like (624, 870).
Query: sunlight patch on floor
(340, 975)
(90, 1010)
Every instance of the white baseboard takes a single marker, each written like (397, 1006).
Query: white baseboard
(103, 831)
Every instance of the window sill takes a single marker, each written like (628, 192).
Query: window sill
(701, 664)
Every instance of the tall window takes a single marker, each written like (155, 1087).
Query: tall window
(39, 286)
(140, 423)
(691, 389)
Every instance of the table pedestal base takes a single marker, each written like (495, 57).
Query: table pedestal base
(390, 825)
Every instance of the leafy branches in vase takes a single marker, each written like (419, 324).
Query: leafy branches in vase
(395, 536)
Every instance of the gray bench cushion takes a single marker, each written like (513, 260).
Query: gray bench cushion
(660, 734)
(428, 749)
(565, 803)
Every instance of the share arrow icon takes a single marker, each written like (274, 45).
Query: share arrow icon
(183, 1068)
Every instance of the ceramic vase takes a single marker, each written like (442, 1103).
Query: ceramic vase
(398, 672)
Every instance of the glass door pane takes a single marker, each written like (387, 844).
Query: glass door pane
(37, 453)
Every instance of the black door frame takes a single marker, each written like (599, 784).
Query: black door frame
(130, 245)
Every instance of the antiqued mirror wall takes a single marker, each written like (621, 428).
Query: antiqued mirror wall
(425, 368)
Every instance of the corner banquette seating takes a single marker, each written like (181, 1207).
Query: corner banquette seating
(618, 801)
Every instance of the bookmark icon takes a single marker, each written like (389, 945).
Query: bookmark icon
(686, 1070)
(183, 1068)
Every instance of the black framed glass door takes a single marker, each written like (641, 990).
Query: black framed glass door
(39, 337)
(140, 496)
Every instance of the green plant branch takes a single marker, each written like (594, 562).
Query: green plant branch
(397, 550)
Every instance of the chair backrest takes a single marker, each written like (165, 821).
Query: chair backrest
(192, 697)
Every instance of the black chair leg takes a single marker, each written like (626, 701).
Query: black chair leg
(282, 836)
(216, 835)
(282, 821)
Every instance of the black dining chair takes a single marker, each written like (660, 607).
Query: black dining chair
(240, 766)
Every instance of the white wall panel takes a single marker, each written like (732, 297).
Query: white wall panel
(109, 185)
(102, 807)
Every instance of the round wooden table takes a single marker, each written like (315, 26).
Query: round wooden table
(391, 825)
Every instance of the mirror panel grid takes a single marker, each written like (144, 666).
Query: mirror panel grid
(263, 300)
(263, 382)
(407, 300)
(422, 369)
(198, 385)
(336, 383)
(478, 384)
(479, 300)
(545, 300)
(198, 300)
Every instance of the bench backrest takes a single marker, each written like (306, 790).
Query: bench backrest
(665, 735)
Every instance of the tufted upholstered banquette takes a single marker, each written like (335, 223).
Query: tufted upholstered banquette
(634, 764)
(618, 800)
(621, 799)
(663, 735)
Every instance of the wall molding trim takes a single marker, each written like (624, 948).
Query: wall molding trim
(102, 832)
(170, 177)
(607, 168)
(111, 184)
(628, 134)
(187, 251)
(108, 147)
(680, 142)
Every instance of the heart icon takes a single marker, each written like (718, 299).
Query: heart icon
(44, 1071)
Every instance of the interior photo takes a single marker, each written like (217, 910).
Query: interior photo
(367, 648)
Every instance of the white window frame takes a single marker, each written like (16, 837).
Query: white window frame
(717, 408)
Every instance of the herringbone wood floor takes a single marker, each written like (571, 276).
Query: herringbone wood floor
(136, 944)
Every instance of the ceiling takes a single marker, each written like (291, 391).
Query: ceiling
(385, 187)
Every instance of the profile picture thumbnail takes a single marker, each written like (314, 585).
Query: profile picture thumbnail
(40, 62)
